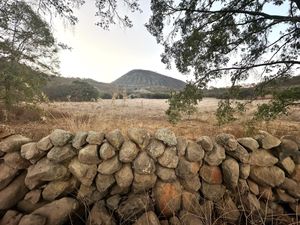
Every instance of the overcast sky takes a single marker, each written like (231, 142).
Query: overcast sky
(106, 55)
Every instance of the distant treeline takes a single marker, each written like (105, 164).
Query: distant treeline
(223, 93)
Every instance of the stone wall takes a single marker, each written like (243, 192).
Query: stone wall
(141, 178)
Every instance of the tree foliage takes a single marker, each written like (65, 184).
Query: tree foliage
(236, 38)
(27, 52)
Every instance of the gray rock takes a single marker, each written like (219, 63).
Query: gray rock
(89, 155)
(44, 170)
(240, 154)
(113, 202)
(142, 183)
(100, 216)
(227, 209)
(15, 161)
(61, 154)
(110, 166)
(57, 212)
(186, 169)
(11, 217)
(79, 139)
(83, 172)
(181, 145)
(166, 136)
(60, 137)
(13, 143)
(244, 170)
(124, 176)
(216, 156)
(211, 174)
(213, 192)
(194, 152)
(267, 176)
(89, 194)
(13, 193)
(44, 144)
(56, 189)
(266, 140)
(192, 184)
(187, 218)
(144, 164)
(30, 152)
(165, 174)
(33, 220)
(139, 136)
(95, 138)
(250, 143)
(155, 148)
(262, 158)
(128, 152)
(134, 206)
(104, 182)
(148, 218)
(7, 174)
(115, 138)
(107, 151)
(169, 158)
(33, 196)
(288, 165)
(228, 141)
(206, 143)
(231, 173)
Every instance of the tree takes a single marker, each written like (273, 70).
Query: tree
(216, 38)
(27, 52)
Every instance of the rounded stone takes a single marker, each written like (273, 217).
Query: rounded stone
(144, 164)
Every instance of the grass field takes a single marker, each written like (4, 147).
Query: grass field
(107, 115)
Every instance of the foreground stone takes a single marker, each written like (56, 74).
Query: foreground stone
(211, 174)
(11, 217)
(60, 137)
(83, 172)
(7, 174)
(230, 168)
(168, 197)
(267, 176)
(31, 152)
(216, 156)
(13, 143)
(115, 138)
(100, 216)
(13, 193)
(58, 212)
(128, 152)
(33, 220)
(166, 136)
(61, 154)
(148, 218)
(139, 136)
(266, 140)
(213, 192)
(89, 155)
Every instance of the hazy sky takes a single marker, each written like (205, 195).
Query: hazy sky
(107, 55)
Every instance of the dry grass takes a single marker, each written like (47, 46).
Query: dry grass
(145, 113)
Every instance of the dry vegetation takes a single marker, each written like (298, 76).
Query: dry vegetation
(107, 115)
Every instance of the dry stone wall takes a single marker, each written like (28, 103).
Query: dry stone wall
(142, 178)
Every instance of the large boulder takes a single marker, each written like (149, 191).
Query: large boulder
(166, 136)
(13, 143)
(194, 152)
(100, 216)
(89, 155)
(7, 174)
(231, 173)
(267, 176)
(115, 138)
(168, 197)
(144, 164)
(169, 158)
(124, 177)
(61, 154)
(139, 136)
(106, 151)
(83, 172)
(13, 193)
(216, 156)
(155, 148)
(211, 174)
(60, 137)
(148, 218)
(266, 140)
(44, 170)
(128, 152)
(58, 212)
(110, 166)
(262, 158)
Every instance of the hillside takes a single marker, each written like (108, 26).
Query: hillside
(149, 80)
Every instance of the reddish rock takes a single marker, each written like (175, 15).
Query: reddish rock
(211, 174)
